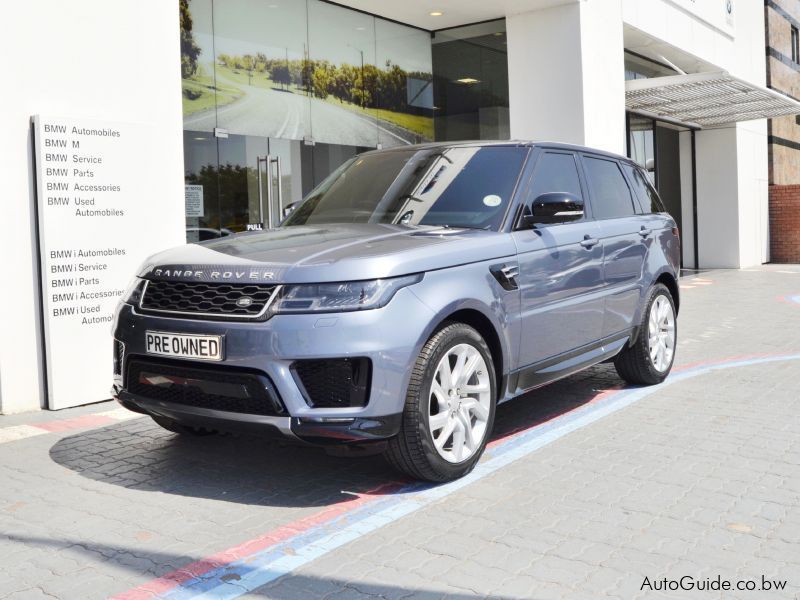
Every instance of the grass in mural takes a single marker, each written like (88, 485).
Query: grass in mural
(415, 123)
(198, 94)
(259, 80)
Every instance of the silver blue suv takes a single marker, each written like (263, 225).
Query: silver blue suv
(404, 298)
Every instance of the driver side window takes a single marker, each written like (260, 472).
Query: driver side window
(555, 172)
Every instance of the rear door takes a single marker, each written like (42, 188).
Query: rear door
(560, 269)
(624, 237)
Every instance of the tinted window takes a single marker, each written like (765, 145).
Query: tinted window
(611, 196)
(555, 172)
(458, 186)
(648, 198)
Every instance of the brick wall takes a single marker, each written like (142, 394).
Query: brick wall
(784, 223)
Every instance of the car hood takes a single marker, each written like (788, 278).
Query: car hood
(325, 253)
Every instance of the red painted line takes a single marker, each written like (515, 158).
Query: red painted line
(512, 433)
(75, 423)
(172, 580)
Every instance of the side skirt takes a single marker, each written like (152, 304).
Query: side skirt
(544, 372)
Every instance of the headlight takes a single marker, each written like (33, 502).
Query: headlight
(340, 297)
(133, 294)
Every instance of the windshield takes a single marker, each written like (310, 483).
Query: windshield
(458, 187)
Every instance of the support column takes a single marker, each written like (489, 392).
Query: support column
(732, 214)
(566, 74)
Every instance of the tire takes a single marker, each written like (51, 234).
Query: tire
(417, 450)
(635, 364)
(181, 429)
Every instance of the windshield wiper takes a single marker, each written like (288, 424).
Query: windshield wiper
(485, 228)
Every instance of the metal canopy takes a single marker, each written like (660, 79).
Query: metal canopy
(705, 99)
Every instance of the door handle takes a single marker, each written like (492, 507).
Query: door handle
(259, 161)
(644, 232)
(589, 242)
(279, 187)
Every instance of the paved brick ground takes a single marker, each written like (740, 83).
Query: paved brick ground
(701, 478)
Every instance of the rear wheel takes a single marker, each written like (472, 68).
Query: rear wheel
(175, 427)
(649, 360)
(450, 407)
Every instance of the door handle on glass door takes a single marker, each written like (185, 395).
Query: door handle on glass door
(589, 242)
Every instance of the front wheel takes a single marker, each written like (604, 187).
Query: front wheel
(450, 407)
(649, 360)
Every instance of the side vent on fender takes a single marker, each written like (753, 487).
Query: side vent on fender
(506, 275)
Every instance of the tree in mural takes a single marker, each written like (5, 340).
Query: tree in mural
(190, 51)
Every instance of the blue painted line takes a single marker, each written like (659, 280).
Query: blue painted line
(253, 572)
(795, 299)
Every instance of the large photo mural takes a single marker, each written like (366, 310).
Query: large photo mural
(247, 67)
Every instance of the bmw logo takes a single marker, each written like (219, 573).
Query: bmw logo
(244, 302)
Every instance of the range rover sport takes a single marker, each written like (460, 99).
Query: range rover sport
(404, 298)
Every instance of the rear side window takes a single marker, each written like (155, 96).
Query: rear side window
(611, 196)
(555, 172)
(648, 197)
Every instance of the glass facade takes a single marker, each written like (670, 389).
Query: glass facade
(278, 93)
(470, 66)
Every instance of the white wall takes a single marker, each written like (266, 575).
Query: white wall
(565, 66)
(116, 61)
(717, 198)
(732, 161)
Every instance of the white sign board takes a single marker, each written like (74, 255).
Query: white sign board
(194, 200)
(720, 14)
(98, 220)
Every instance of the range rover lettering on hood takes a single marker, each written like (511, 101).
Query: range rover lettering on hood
(215, 274)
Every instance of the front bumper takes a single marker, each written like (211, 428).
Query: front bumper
(317, 430)
(390, 337)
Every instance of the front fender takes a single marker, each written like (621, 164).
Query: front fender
(473, 288)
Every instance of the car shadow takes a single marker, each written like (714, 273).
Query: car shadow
(139, 455)
(129, 559)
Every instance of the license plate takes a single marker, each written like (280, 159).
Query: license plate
(184, 345)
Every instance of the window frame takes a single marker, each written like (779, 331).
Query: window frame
(645, 204)
(584, 156)
(794, 38)
(533, 167)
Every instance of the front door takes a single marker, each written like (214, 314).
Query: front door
(560, 271)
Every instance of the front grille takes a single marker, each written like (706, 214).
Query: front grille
(218, 388)
(334, 382)
(199, 299)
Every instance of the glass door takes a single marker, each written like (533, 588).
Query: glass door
(248, 183)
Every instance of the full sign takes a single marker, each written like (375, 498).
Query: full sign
(99, 218)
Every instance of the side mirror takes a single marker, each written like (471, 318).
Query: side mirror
(552, 208)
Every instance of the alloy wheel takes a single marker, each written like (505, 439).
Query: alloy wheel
(661, 333)
(460, 400)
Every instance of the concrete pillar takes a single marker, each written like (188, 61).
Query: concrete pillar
(565, 73)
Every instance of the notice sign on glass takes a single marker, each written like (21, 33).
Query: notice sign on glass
(194, 200)
(98, 219)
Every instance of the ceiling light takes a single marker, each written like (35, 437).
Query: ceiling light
(360, 28)
(436, 13)
(468, 80)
